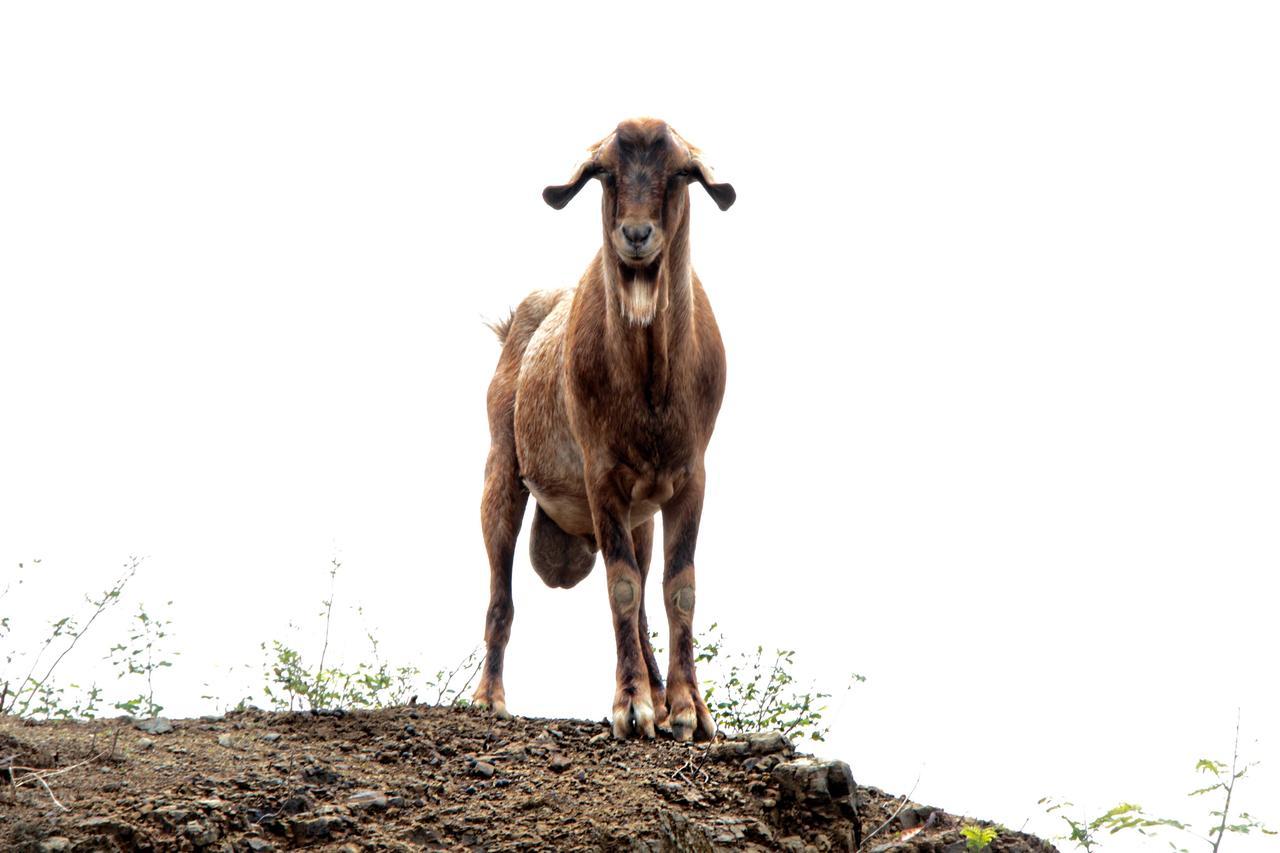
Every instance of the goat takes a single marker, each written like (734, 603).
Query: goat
(601, 407)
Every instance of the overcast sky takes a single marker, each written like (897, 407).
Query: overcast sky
(999, 297)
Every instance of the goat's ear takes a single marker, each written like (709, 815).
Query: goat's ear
(722, 194)
(558, 195)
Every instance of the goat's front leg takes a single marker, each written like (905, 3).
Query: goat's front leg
(689, 717)
(611, 512)
(642, 539)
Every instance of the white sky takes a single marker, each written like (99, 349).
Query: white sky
(999, 297)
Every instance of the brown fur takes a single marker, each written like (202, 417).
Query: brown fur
(601, 407)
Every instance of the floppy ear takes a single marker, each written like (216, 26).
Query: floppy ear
(559, 195)
(722, 194)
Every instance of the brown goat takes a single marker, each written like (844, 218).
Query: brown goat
(601, 407)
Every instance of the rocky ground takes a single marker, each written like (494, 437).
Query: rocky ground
(417, 778)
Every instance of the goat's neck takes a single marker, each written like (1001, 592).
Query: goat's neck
(652, 353)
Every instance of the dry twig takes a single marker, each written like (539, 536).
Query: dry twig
(901, 805)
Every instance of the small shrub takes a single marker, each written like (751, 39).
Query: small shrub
(292, 684)
(1085, 833)
(142, 656)
(39, 695)
(756, 691)
(976, 838)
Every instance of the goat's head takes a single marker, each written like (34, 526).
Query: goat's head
(645, 168)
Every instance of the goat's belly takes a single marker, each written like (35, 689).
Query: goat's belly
(573, 514)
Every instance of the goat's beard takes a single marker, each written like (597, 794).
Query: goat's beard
(639, 300)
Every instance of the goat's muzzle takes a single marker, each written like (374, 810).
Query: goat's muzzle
(637, 242)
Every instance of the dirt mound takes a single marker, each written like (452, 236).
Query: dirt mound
(439, 779)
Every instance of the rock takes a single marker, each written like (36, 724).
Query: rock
(297, 804)
(260, 845)
(809, 779)
(483, 769)
(154, 726)
(603, 737)
(225, 740)
(56, 844)
(367, 799)
(145, 743)
(560, 762)
(728, 750)
(763, 763)
(767, 743)
(201, 834)
(271, 737)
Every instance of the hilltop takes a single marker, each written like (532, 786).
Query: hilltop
(413, 778)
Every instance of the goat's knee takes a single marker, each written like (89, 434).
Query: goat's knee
(623, 594)
(683, 599)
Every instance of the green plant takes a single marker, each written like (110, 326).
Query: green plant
(40, 696)
(756, 691)
(142, 656)
(292, 684)
(1084, 833)
(442, 683)
(978, 837)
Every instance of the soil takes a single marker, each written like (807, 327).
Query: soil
(414, 778)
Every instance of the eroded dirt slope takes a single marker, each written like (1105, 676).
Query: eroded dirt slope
(433, 778)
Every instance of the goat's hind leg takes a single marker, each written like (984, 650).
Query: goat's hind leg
(501, 511)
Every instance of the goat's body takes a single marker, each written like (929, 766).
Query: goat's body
(601, 408)
(653, 441)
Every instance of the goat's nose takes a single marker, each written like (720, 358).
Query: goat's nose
(637, 234)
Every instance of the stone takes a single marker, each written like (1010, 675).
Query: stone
(201, 834)
(56, 844)
(812, 779)
(767, 743)
(560, 762)
(728, 750)
(145, 743)
(484, 769)
(154, 726)
(271, 737)
(225, 740)
(368, 799)
(260, 845)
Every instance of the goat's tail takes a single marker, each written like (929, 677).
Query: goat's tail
(502, 327)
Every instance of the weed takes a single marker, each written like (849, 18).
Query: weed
(41, 696)
(1084, 833)
(756, 691)
(142, 656)
(976, 838)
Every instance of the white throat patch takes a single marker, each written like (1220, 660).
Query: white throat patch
(639, 301)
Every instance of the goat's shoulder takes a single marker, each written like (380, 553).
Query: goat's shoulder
(708, 368)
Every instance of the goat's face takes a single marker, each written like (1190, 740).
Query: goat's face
(645, 168)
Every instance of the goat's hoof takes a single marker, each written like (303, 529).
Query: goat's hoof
(634, 718)
(693, 722)
(497, 708)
